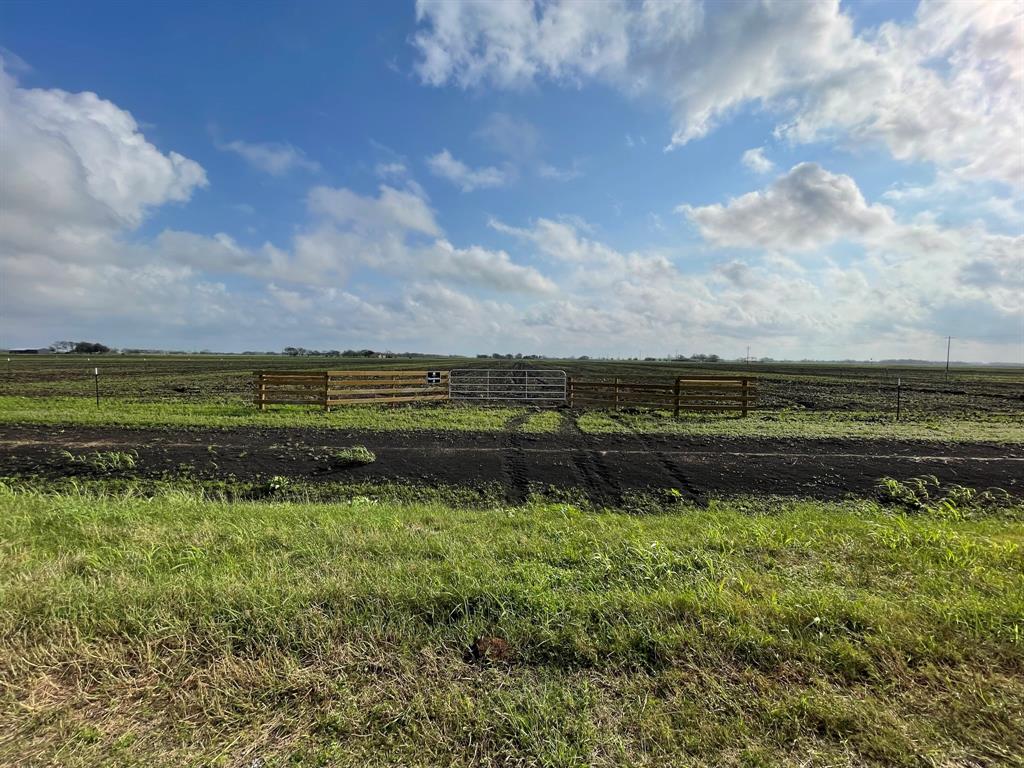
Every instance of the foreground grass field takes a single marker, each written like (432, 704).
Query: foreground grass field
(177, 631)
(782, 424)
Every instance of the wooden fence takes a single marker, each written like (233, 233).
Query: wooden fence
(330, 388)
(687, 393)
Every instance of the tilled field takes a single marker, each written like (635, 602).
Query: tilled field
(926, 390)
(604, 468)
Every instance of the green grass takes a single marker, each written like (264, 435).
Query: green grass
(355, 456)
(542, 422)
(177, 631)
(127, 413)
(782, 424)
(808, 424)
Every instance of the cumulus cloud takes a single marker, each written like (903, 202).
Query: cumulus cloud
(445, 166)
(908, 272)
(804, 209)
(755, 160)
(79, 178)
(387, 233)
(78, 163)
(375, 267)
(943, 88)
(78, 175)
(908, 282)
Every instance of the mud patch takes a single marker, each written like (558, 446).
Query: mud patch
(604, 468)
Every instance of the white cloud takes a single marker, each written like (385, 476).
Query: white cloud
(79, 178)
(910, 282)
(385, 233)
(804, 209)
(553, 173)
(755, 160)
(76, 167)
(467, 179)
(944, 88)
(394, 210)
(274, 158)
(377, 269)
(391, 170)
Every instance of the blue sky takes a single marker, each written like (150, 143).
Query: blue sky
(608, 179)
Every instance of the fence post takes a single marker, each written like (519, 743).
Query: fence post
(746, 393)
(568, 390)
(616, 393)
(675, 393)
(899, 386)
(261, 392)
(327, 387)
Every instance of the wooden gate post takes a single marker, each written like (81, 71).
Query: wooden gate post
(746, 394)
(675, 393)
(616, 393)
(261, 392)
(568, 391)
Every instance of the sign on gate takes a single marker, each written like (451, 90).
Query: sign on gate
(539, 387)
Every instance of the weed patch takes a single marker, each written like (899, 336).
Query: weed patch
(356, 456)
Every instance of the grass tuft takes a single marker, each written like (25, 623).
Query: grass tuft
(356, 456)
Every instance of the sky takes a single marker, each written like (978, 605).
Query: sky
(807, 180)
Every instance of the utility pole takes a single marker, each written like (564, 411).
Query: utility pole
(949, 341)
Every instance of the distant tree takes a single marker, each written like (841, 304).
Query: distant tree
(89, 348)
(62, 346)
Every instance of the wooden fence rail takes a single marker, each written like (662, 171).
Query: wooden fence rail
(687, 393)
(330, 388)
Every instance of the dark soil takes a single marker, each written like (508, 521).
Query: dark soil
(604, 468)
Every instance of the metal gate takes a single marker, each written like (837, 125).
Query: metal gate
(537, 387)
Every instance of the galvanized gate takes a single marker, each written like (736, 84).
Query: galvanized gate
(536, 387)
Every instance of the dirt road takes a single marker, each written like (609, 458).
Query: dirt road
(603, 467)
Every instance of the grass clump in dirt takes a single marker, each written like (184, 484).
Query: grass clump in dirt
(104, 461)
(542, 422)
(356, 456)
(783, 633)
